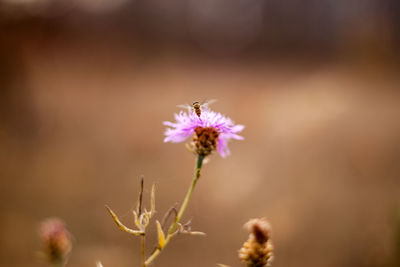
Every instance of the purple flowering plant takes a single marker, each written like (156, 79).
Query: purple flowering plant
(187, 123)
(209, 131)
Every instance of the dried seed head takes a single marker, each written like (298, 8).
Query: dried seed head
(260, 228)
(56, 240)
(205, 140)
(257, 250)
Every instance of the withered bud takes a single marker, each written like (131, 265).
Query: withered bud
(56, 240)
(205, 140)
(260, 228)
(257, 250)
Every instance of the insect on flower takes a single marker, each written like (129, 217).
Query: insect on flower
(197, 107)
(210, 130)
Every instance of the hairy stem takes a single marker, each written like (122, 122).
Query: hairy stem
(174, 226)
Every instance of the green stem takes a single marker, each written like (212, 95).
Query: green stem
(173, 227)
(196, 177)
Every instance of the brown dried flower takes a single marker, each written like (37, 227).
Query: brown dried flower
(257, 250)
(56, 240)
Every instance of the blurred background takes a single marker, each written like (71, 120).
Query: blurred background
(86, 84)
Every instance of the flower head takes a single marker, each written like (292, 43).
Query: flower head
(210, 131)
(56, 240)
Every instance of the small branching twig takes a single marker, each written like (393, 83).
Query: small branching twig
(142, 218)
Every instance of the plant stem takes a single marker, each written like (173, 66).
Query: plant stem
(173, 227)
(142, 241)
(59, 263)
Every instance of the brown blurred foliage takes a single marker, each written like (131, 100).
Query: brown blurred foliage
(85, 86)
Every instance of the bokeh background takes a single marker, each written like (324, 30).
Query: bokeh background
(85, 86)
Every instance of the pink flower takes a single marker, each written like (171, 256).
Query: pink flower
(189, 124)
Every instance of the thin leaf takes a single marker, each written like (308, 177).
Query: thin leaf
(161, 236)
(140, 197)
(190, 149)
(168, 213)
(137, 221)
(196, 233)
(153, 200)
(121, 226)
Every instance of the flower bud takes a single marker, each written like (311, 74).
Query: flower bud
(56, 240)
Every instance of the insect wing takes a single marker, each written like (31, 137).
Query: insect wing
(207, 103)
(185, 106)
